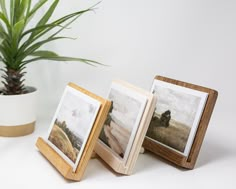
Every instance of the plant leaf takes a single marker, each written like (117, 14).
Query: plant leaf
(12, 10)
(5, 20)
(61, 58)
(3, 7)
(16, 32)
(48, 28)
(44, 54)
(16, 14)
(36, 7)
(2, 30)
(36, 29)
(14, 52)
(5, 55)
(36, 46)
(23, 9)
(28, 11)
(46, 16)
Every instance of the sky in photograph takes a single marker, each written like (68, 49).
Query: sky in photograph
(125, 109)
(77, 114)
(183, 106)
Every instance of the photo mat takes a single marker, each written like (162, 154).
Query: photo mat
(177, 116)
(71, 125)
(120, 128)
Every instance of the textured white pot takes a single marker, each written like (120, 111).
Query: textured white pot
(18, 113)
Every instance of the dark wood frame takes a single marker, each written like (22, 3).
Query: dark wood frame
(172, 156)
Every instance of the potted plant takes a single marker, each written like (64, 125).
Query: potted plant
(20, 46)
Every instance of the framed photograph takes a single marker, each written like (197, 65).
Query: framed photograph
(71, 125)
(74, 131)
(177, 115)
(178, 120)
(125, 127)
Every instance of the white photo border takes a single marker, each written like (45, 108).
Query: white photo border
(86, 98)
(143, 100)
(203, 96)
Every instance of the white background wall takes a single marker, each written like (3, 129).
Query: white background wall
(193, 41)
(189, 40)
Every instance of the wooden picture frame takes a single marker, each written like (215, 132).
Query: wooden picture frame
(59, 162)
(188, 160)
(125, 163)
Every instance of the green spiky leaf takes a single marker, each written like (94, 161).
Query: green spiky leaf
(3, 7)
(20, 46)
(44, 53)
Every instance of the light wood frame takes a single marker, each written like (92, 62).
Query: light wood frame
(172, 156)
(106, 153)
(57, 161)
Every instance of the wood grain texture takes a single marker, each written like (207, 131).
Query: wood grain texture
(110, 157)
(172, 156)
(58, 162)
(18, 130)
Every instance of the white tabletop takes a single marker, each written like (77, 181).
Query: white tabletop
(22, 166)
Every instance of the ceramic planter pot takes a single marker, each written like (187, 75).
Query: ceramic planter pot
(18, 113)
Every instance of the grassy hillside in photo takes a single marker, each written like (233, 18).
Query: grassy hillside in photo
(175, 135)
(64, 139)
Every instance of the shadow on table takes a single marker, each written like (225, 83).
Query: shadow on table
(211, 152)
